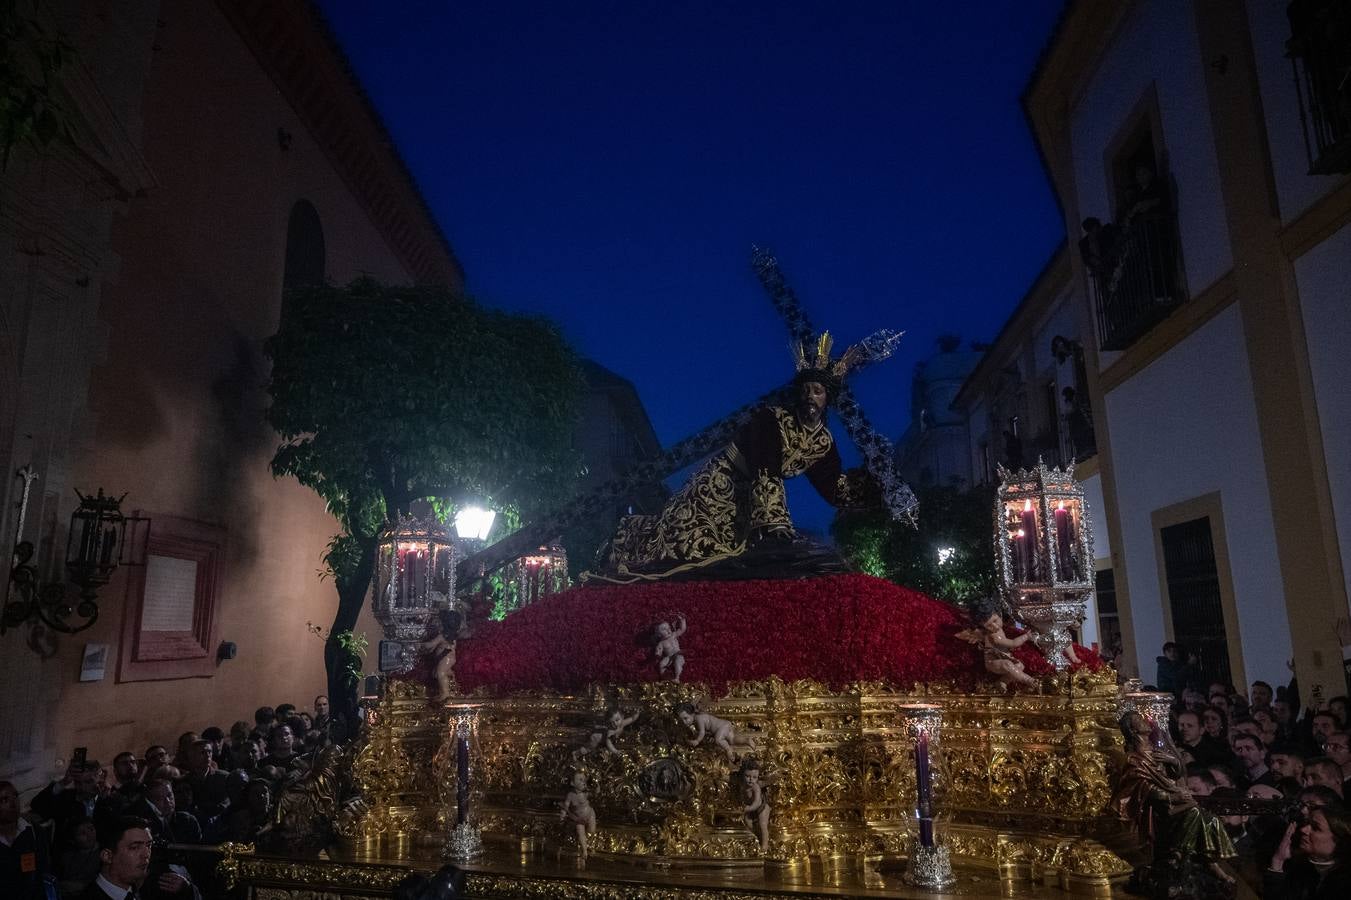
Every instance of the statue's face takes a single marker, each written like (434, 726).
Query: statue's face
(579, 782)
(686, 717)
(811, 402)
(994, 624)
(752, 776)
(663, 630)
(616, 718)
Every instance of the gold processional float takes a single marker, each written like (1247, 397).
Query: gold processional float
(531, 799)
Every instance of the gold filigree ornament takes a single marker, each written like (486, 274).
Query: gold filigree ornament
(1022, 780)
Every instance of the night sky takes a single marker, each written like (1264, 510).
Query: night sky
(609, 164)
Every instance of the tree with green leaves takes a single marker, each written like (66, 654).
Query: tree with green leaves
(950, 556)
(387, 395)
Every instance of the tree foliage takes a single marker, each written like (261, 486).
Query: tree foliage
(386, 395)
(948, 519)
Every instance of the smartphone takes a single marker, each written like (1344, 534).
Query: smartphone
(79, 758)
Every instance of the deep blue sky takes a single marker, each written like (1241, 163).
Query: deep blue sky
(609, 164)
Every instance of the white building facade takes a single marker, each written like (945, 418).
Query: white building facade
(1213, 316)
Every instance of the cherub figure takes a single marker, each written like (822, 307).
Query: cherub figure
(615, 723)
(442, 646)
(667, 650)
(989, 634)
(576, 808)
(722, 731)
(756, 809)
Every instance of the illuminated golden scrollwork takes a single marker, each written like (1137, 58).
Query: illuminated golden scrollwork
(1022, 780)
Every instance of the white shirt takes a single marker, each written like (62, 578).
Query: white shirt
(112, 890)
(23, 826)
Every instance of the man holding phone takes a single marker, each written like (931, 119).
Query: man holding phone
(73, 797)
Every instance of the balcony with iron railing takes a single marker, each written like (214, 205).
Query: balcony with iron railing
(1137, 284)
(1320, 53)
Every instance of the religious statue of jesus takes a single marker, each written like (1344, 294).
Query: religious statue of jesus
(736, 500)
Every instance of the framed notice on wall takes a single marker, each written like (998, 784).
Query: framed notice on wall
(95, 662)
(169, 619)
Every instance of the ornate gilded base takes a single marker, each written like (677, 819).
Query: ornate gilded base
(502, 876)
(930, 868)
(1021, 780)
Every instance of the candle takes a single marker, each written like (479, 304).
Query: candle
(462, 775)
(924, 789)
(1064, 542)
(1029, 536)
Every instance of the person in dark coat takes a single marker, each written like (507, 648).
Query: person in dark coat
(1313, 859)
(25, 857)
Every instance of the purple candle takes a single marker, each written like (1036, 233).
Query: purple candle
(461, 778)
(924, 790)
(1064, 542)
(1029, 539)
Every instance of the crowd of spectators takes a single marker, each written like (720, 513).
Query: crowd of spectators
(1268, 746)
(86, 829)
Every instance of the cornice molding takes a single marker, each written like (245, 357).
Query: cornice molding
(295, 47)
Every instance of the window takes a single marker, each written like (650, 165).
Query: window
(1109, 619)
(1133, 263)
(1194, 597)
(304, 247)
(169, 619)
(1320, 52)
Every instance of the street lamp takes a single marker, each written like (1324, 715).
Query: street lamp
(96, 544)
(474, 523)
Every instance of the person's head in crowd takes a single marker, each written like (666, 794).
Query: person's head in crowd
(1189, 727)
(1223, 776)
(285, 711)
(1280, 708)
(1250, 752)
(1325, 836)
(239, 732)
(9, 806)
(160, 795)
(86, 779)
(155, 756)
(1323, 772)
(184, 796)
(185, 741)
(246, 753)
(1264, 792)
(263, 717)
(1266, 721)
(1200, 782)
(165, 773)
(1338, 707)
(1324, 724)
(1245, 726)
(1261, 694)
(1338, 749)
(1218, 687)
(321, 707)
(200, 755)
(1172, 652)
(216, 738)
(1215, 723)
(125, 768)
(307, 719)
(124, 851)
(1287, 761)
(82, 835)
(281, 742)
(258, 797)
(1192, 698)
(236, 785)
(297, 726)
(1223, 703)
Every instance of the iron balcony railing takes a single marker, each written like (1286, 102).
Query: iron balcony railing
(1138, 283)
(1320, 53)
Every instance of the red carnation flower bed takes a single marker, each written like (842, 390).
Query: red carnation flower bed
(835, 629)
